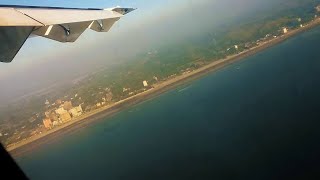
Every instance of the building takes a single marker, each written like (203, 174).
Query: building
(32, 119)
(47, 114)
(145, 83)
(63, 114)
(65, 117)
(125, 89)
(55, 123)
(285, 30)
(318, 8)
(155, 78)
(61, 111)
(109, 96)
(53, 116)
(58, 101)
(236, 47)
(67, 105)
(47, 123)
(76, 111)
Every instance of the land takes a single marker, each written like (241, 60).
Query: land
(156, 90)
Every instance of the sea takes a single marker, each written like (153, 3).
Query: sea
(258, 118)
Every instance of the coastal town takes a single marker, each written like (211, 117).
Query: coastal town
(64, 112)
(74, 106)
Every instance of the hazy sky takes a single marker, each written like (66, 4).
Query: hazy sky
(42, 62)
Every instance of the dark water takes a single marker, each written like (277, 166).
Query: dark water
(256, 119)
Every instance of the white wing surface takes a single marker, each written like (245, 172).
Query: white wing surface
(17, 23)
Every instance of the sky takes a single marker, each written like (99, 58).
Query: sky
(42, 62)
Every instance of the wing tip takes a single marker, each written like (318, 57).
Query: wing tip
(121, 10)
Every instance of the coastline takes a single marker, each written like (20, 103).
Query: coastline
(84, 121)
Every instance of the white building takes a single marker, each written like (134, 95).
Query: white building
(125, 89)
(145, 83)
(47, 102)
(236, 47)
(55, 123)
(285, 30)
(155, 78)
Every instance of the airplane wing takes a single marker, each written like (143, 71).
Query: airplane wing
(18, 23)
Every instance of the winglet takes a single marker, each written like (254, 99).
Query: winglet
(122, 11)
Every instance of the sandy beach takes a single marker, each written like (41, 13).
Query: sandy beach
(28, 145)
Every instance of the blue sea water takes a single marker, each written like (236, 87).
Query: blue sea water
(255, 119)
